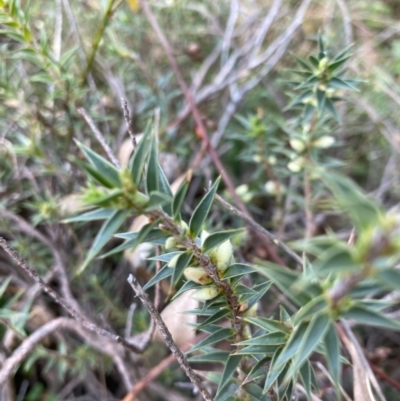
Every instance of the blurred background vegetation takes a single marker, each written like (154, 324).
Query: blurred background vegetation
(58, 56)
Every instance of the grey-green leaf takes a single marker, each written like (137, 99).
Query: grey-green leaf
(108, 229)
(238, 269)
(202, 209)
(108, 172)
(218, 238)
(181, 264)
(97, 214)
(179, 198)
(219, 335)
(230, 368)
(161, 275)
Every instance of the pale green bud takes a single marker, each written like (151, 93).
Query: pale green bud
(323, 63)
(297, 144)
(221, 256)
(198, 275)
(272, 160)
(204, 235)
(170, 243)
(172, 262)
(206, 293)
(324, 142)
(274, 188)
(296, 165)
(257, 158)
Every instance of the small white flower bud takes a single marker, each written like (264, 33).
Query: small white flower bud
(324, 142)
(170, 243)
(297, 144)
(172, 262)
(296, 165)
(198, 275)
(221, 256)
(274, 188)
(206, 293)
(272, 160)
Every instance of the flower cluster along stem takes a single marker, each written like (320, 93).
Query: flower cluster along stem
(168, 224)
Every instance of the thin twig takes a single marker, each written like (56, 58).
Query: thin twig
(61, 301)
(180, 356)
(30, 343)
(99, 136)
(151, 375)
(256, 227)
(128, 122)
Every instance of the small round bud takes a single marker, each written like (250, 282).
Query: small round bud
(272, 160)
(297, 144)
(274, 188)
(221, 256)
(323, 63)
(206, 293)
(198, 275)
(170, 243)
(324, 142)
(257, 158)
(296, 165)
(172, 262)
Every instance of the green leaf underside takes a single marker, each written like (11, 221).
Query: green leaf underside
(269, 325)
(108, 229)
(230, 368)
(140, 155)
(97, 214)
(217, 356)
(163, 273)
(237, 269)
(214, 318)
(179, 198)
(315, 332)
(332, 347)
(181, 264)
(219, 335)
(102, 166)
(202, 209)
(218, 238)
(363, 315)
(274, 338)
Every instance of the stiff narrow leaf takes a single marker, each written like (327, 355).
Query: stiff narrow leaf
(332, 347)
(161, 275)
(181, 264)
(237, 269)
(214, 318)
(312, 308)
(108, 229)
(274, 338)
(97, 214)
(306, 378)
(217, 356)
(370, 317)
(219, 335)
(139, 156)
(269, 325)
(273, 372)
(218, 238)
(102, 166)
(230, 368)
(152, 176)
(315, 332)
(202, 209)
(179, 198)
(189, 285)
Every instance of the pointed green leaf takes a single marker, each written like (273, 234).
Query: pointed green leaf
(269, 325)
(331, 108)
(219, 335)
(257, 349)
(306, 378)
(161, 275)
(108, 229)
(315, 332)
(202, 209)
(181, 264)
(337, 259)
(139, 156)
(314, 61)
(369, 317)
(302, 63)
(362, 210)
(229, 370)
(104, 167)
(332, 347)
(4, 286)
(390, 278)
(293, 344)
(274, 338)
(179, 198)
(312, 308)
(166, 257)
(273, 372)
(218, 238)
(337, 83)
(158, 199)
(152, 176)
(214, 318)
(237, 269)
(97, 214)
(321, 96)
(335, 64)
(217, 356)
(96, 174)
(189, 285)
